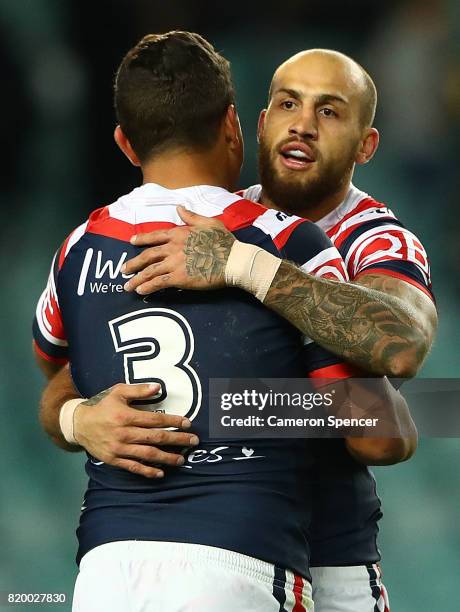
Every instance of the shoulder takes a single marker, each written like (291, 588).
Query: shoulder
(371, 238)
(71, 240)
(100, 221)
(294, 237)
(364, 212)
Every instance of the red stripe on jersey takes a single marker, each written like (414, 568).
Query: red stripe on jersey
(54, 318)
(284, 236)
(298, 589)
(337, 264)
(418, 255)
(38, 350)
(383, 594)
(365, 204)
(121, 230)
(402, 277)
(240, 214)
(101, 223)
(49, 313)
(338, 370)
(63, 251)
(377, 243)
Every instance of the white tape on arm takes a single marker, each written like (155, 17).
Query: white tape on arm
(251, 268)
(66, 416)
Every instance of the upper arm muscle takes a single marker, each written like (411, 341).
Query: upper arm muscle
(419, 303)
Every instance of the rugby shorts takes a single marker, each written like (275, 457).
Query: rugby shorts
(349, 589)
(149, 576)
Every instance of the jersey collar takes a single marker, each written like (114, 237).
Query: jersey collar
(194, 198)
(353, 197)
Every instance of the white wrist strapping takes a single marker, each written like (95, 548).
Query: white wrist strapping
(66, 416)
(251, 268)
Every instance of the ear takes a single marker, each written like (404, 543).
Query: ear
(261, 124)
(232, 128)
(125, 146)
(368, 147)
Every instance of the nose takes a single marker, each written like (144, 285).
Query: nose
(305, 125)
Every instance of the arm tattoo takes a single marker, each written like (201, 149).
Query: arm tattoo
(207, 252)
(96, 398)
(369, 328)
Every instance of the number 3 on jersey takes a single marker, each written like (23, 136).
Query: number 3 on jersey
(157, 345)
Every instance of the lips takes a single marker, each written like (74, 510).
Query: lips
(296, 155)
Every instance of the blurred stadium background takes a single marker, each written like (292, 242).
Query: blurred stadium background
(59, 162)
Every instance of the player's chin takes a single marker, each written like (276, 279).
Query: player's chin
(299, 179)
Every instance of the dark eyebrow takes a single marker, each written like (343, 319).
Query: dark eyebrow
(321, 99)
(325, 98)
(294, 93)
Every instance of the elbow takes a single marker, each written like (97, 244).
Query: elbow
(403, 369)
(407, 363)
(382, 451)
(394, 450)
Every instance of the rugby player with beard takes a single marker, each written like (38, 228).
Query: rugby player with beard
(318, 125)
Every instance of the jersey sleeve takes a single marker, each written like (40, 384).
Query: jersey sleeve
(48, 329)
(321, 363)
(49, 336)
(387, 247)
(305, 244)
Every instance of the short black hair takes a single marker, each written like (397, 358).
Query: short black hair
(172, 90)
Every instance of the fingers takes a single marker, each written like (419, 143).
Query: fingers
(147, 257)
(138, 468)
(142, 418)
(164, 281)
(149, 273)
(158, 437)
(134, 392)
(161, 238)
(151, 238)
(189, 217)
(150, 455)
(195, 220)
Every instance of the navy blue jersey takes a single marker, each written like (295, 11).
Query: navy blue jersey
(346, 507)
(250, 496)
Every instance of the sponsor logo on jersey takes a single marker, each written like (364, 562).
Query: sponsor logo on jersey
(95, 267)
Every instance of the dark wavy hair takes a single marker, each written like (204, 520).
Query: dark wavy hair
(172, 90)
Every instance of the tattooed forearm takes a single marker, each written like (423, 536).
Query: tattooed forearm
(206, 252)
(375, 331)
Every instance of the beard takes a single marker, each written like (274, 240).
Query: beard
(299, 192)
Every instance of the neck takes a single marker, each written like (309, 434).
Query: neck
(186, 168)
(315, 211)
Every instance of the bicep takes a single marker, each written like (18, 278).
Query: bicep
(419, 303)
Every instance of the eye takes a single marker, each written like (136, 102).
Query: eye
(328, 112)
(288, 104)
